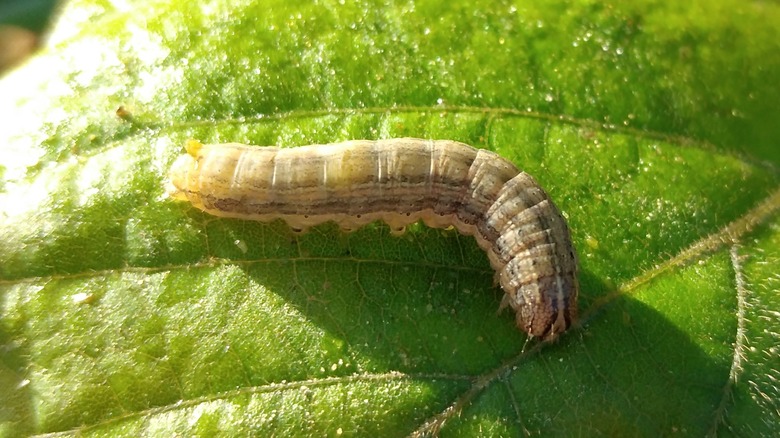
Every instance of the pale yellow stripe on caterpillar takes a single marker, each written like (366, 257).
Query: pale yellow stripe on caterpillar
(400, 181)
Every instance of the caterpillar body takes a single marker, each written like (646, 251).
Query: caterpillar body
(400, 181)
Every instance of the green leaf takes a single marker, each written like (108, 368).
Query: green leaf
(653, 125)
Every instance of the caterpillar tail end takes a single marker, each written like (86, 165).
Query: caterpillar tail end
(176, 186)
(193, 147)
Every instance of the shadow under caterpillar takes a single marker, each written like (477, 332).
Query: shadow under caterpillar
(400, 181)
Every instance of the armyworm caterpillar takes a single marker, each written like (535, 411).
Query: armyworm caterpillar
(400, 181)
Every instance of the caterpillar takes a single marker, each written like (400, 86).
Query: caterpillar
(400, 181)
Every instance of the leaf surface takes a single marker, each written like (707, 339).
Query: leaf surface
(653, 125)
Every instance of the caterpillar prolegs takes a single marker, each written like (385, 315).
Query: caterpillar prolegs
(400, 181)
